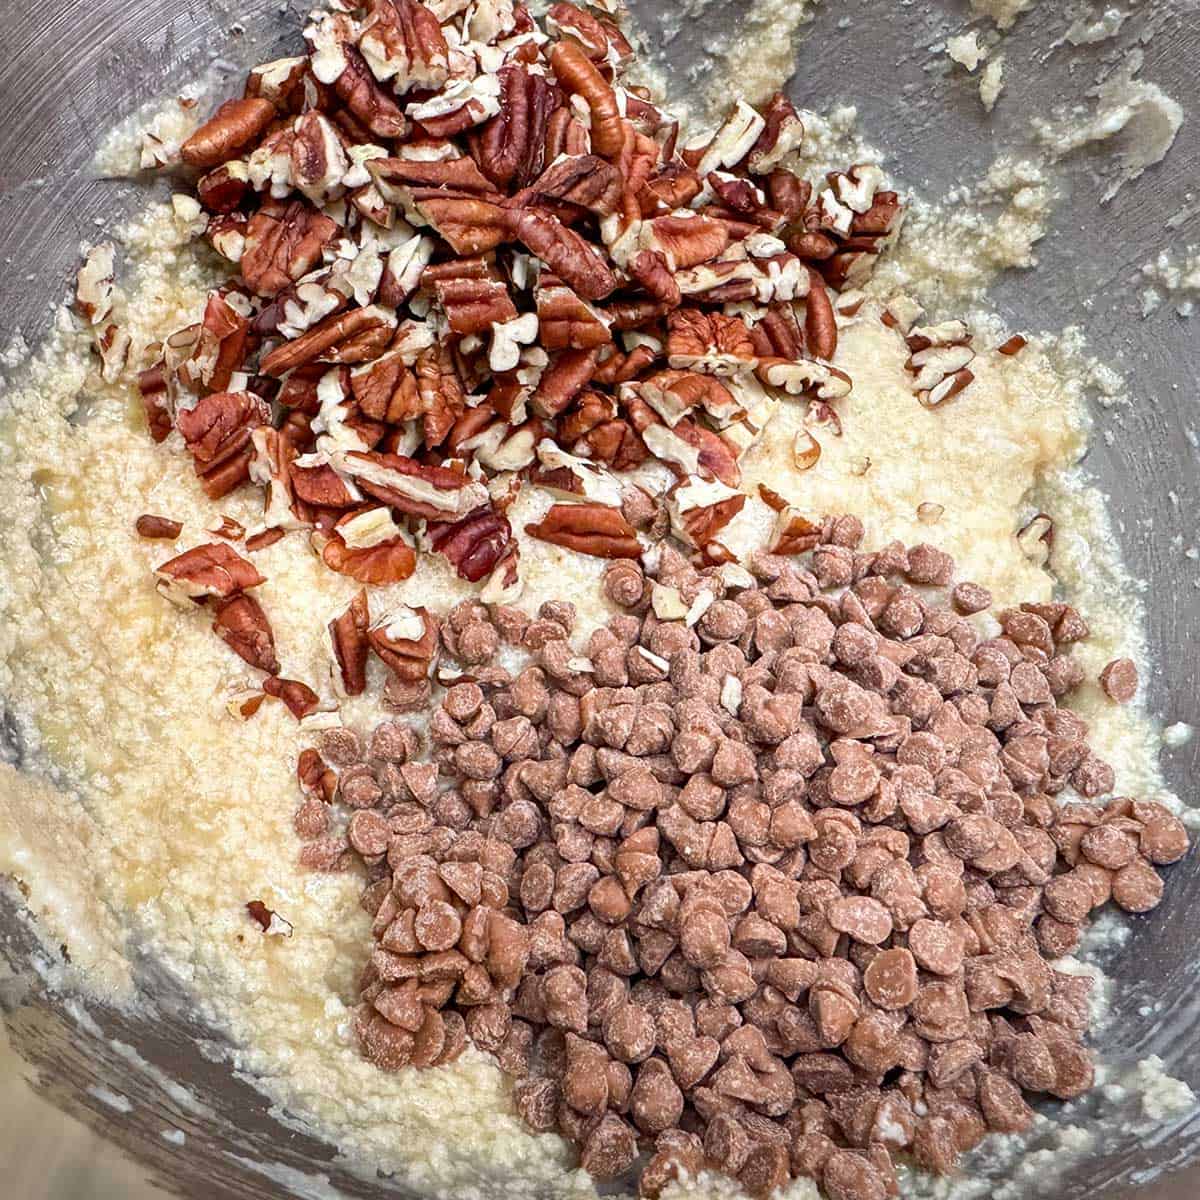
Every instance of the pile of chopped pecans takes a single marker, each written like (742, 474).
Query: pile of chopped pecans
(470, 260)
(773, 888)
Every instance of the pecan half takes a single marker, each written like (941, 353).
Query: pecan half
(412, 487)
(567, 254)
(235, 125)
(283, 242)
(510, 148)
(710, 342)
(213, 569)
(241, 623)
(685, 241)
(580, 76)
(596, 529)
(474, 544)
(219, 433)
(406, 640)
(357, 335)
(348, 636)
(582, 179)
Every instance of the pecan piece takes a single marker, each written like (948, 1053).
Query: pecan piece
(150, 526)
(700, 508)
(474, 544)
(219, 434)
(562, 381)
(299, 697)
(357, 90)
(221, 347)
(318, 162)
(284, 242)
(820, 324)
(474, 305)
(685, 241)
(441, 392)
(348, 636)
(567, 254)
(241, 623)
(510, 148)
(355, 336)
(402, 41)
(579, 76)
(152, 384)
(386, 389)
(321, 486)
(709, 342)
(782, 133)
(235, 125)
(370, 547)
(435, 493)
(564, 320)
(793, 533)
(94, 283)
(407, 641)
(582, 179)
(213, 569)
(596, 529)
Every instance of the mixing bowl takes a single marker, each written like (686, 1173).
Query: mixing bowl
(69, 70)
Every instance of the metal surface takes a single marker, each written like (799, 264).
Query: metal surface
(70, 69)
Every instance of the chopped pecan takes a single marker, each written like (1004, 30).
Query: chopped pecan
(150, 526)
(651, 270)
(358, 91)
(562, 381)
(596, 529)
(474, 543)
(320, 485)
(460, 105)
(402, 41)
(221, 347)
(804, 377)
(510, 148)
(674, 185)
(579, 76)
(223, 189)
(235, 125)
(152, 384)
(793, 533)
(358, 335)
(407, 641)
(685, 241)
(711, 342)
(564, 320)
(94, 284)
(212, 569)
(300, 699)
(783, 132)
(474, 305)
(701, 508)
(348, 637)
(567, 254)
(316, 779)
(226, 234)
(241, 623)
(278, 81)
(820, 324)
(318, 161)
(471, 224)
(435, 493)
(369, 547)
(441, 392)
(582, 179)
(268, 920)
(218, 432)
(386, 389)
(283, 242)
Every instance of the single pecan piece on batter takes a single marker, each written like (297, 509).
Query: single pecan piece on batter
(235, 125)
(370, 547)
(406, 640)
(219, 433)
(213, 569)
(348, 636)
(241, 623)
(299, 697)
(596, 529)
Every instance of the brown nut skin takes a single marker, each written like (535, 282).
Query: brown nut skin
(234, 126)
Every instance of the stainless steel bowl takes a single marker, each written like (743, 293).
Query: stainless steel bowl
(69, 70)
